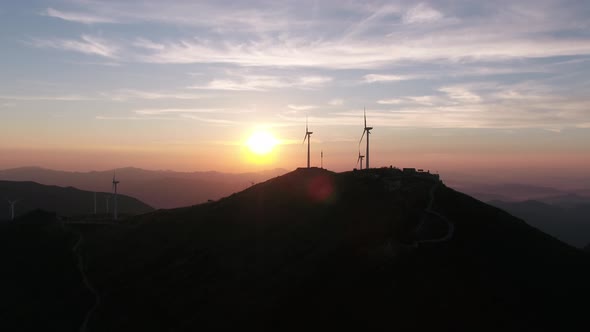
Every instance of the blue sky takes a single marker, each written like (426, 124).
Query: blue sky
(441, 81)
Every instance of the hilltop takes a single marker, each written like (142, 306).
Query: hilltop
(316, 249)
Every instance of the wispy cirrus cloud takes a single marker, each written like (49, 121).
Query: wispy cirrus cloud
(301, 107)
(421, 13)
(374, 78)
(336, 102)
(130, 94)
(86, 44)
(79, 17)
(47, 97)
(250, 82)
(393, 101)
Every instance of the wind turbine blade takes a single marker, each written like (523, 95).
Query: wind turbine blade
(365, 113)
(361, 140)
(304, 138)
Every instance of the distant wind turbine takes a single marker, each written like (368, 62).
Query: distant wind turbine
(322, 159)
(308, 138)
(115, 183)
(12, 203)
(359, 160)
(368, 131)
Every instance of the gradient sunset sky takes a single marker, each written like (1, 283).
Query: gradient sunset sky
(181, 85)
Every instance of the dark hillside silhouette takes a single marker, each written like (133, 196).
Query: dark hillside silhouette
(41, 286)
(360, 250)
(64, 201)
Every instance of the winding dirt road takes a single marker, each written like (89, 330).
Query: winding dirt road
(428, 210)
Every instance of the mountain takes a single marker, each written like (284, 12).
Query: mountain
(366, 250)
(567, 218)
(64, 201)
(160, 189)
(360, 250)
(506, 191)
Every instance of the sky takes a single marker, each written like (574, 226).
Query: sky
(448, 86)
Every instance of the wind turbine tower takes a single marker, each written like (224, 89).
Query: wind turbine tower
(368, 131)
(115, 183)
(308, 138)
(12, 203)
(359, 161)
(322, 159)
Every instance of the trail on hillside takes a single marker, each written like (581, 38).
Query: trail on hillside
(428, 210)
(89, 286)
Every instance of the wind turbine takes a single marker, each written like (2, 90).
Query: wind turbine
(359, 161)
(368, 131)
(12, 203)
(322, 159)
(308, 138)
(115, 183)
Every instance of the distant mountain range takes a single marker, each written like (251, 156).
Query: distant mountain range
(565, 217)
(67, 201)
(160, 189)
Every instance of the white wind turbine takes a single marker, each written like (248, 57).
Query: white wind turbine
(308, 138)
(368, 131)
(359, 160)
(115, 183)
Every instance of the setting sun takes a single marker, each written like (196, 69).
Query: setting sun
(261, 143)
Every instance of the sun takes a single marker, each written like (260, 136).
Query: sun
(261, 143)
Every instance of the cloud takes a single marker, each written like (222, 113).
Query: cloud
(461, 94)
(175, 111)
(184, 111)
(77, 17)
(301, 107)
(336, 102)
(129, 94)
(210, 120)
(249, 82)
(372, 78)
(389, 101)
(421, 13)
(87, 45)
(147, 44)
(47, 98)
